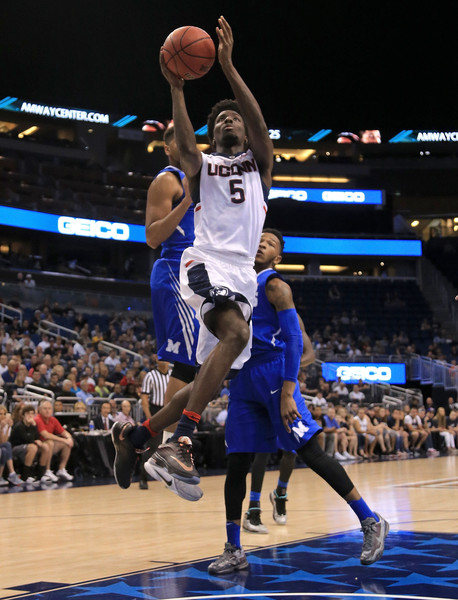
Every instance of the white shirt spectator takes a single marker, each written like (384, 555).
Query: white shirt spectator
(78, 350)
(415, 422)
(319, 401)
(111, 361)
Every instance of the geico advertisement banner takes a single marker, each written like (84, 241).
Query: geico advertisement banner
(90, 228)
(394, 373)
(327, 196)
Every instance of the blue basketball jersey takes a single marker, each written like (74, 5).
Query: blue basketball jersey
(267, 340)
(183, 236)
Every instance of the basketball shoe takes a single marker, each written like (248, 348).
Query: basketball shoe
(374, 539)
(126, 455)
(279, 507)
(252, 521)
(232, 559)
(175, 456)
(187, 491)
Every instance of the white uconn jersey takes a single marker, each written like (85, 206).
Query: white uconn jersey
(231, 208)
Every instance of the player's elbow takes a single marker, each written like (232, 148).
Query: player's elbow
(152, 239)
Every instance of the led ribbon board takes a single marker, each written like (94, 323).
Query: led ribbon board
(351, 247)
(328, 196)
(394, 373)
(127, 232)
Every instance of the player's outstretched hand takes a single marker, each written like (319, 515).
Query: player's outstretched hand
(173, 80)
(288, 410)
(226, 42)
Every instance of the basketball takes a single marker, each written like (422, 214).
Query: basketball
(189, 52)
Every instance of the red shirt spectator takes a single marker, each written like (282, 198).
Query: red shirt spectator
(51, 425)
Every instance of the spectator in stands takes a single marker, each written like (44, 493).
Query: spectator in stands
(365, 433)
(84, 394)
(104, 420)
(6, 451)
(347, 440)
(320, 401)
(29, 281)
(3, 363)
(66, 390)
(125, 414)
(79, 407)
(429, 403)
(452, 404)
(379, 421)
(101, 389)
(27, 446)
(9, 376)
(112, 360)
(116, 374)
(452, 424)
(45, 372)
(356, 395)
(78, 349)
(117, 392)
(132, 391)
(441, 425)
(419, 437)
(53, 385)
(59, 439)
(330, 428)
(399, 436)
(342, 393)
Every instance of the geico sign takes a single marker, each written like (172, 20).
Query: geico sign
(343, 196)
(347, 373)
(90, 228)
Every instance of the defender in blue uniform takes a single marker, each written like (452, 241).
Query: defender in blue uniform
(174, 321)
(266, 410)
(170, 223)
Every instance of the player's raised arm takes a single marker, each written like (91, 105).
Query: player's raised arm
(190, 156)
(258, 135)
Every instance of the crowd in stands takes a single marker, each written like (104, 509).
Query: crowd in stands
(82, 374)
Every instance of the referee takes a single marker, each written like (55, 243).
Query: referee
(152, 397)
(153, 388)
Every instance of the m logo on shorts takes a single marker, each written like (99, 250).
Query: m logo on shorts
(299, 430)
(173, 347)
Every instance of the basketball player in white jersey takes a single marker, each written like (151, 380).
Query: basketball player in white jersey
(229, 189)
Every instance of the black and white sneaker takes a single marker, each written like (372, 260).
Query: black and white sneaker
(252, 521)
(232, 559)
(126, 455)
(187, 491)
(175, 456)
(374, 539)
(279, 507)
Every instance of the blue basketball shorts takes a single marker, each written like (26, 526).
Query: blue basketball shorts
(175, 323)
(253, 421)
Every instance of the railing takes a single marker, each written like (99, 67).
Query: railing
(120, 349)
(52, 328)
(10, 313)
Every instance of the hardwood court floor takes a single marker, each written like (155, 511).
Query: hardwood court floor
(78, 534)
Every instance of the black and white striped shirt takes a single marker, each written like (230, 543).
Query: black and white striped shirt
(154, 384)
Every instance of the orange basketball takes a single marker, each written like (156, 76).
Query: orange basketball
(189, 52)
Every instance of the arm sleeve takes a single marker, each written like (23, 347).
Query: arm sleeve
(292, 335)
